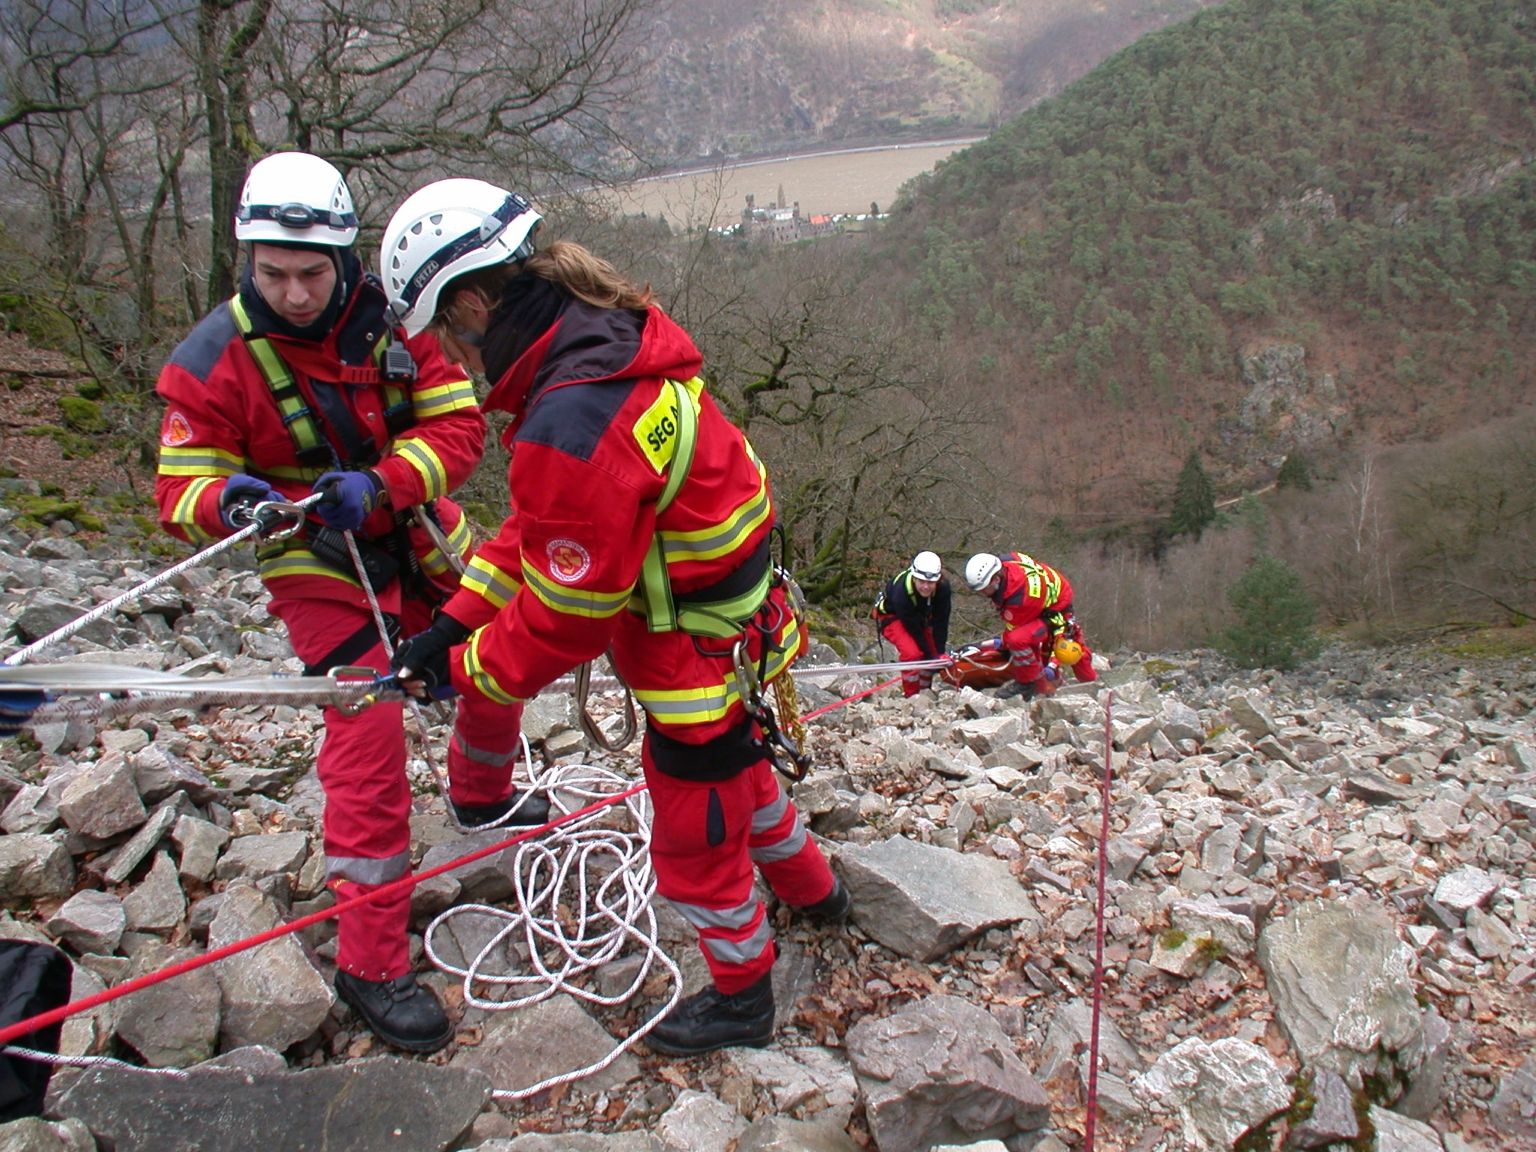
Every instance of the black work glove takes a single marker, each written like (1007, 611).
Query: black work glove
(424, 657)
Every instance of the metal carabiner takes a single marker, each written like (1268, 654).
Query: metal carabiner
(351, 676)
(747, 685)
(287, 518)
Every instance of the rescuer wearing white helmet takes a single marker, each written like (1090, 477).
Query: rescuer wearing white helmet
(642, 528)
(1035, 603)
(912, 612)
(299, 384)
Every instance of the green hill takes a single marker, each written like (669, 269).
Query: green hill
(1282, 224)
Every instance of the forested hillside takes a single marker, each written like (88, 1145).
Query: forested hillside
(729, 79)
(1281, 226)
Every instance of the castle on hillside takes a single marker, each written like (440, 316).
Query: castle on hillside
(777, 224)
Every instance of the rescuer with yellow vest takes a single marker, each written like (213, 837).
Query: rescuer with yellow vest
(640, 527)
(1035, 603)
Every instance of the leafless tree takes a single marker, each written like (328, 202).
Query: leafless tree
(128, 125)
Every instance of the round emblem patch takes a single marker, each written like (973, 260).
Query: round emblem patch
(178, 431)
(568, 560)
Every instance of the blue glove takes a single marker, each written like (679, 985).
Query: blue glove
(993, 645)
(350, 497)
(241, 495)
(424, 656)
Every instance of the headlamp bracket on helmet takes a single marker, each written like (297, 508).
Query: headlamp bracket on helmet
(297, 215)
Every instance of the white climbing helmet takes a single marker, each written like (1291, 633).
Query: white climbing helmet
(926, 566)
(444, 230)
(296, 198)
(980, 569)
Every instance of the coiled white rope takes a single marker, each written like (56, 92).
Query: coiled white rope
(581, 900)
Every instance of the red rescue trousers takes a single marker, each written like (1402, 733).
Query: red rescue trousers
(907, 650)
(361, 766)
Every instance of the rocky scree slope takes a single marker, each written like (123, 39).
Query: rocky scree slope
(1320, 932)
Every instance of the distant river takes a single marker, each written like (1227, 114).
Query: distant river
(844, 181)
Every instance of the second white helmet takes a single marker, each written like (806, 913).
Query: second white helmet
(444, 230)
(296, 198)
(926, 566)
(980, 569)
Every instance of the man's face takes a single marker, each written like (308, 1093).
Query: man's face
(296, 283)
(925, 588)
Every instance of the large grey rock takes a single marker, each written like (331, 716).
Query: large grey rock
(361, 1107)
(272, 994)
(174, 1024)
(1343, 990)
(90, 921)
(34, 1134)
(33, 866)
(942, 1070)
(252, 857)
(698, 1122)
(158, 904)
(103, 800)
(923, 901)
(1219, 1088)
(523, 1046)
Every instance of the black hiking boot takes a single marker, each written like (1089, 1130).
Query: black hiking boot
(399, 1012)
(534, 811)
(708, 1020)
(831, 908)
(1016, 688)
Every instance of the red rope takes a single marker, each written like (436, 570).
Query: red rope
(149, 979)
(1098, 944)
(825, 708)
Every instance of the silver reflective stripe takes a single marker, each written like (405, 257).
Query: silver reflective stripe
(740, 951)
(366, 869)
(731, 919)
(784, 849)
(769, 814)
(482, 755)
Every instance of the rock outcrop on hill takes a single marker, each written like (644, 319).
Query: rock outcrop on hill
(1319, 918)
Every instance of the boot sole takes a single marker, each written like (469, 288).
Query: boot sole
(678, 1050)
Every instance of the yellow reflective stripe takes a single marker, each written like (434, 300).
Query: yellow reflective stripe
(293, 472)
(184, 515)
(724, 537)
(458, 540)
(443, 398)
(202, 460)
(489, 582)
(713, 701)
(483, 681)
(300, 562)
(420, 456)
(570, 601)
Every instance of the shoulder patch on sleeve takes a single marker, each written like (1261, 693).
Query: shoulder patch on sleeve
(656, 429)
(176, 431)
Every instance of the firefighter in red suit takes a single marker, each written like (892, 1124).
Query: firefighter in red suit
(1035, 603)
(299, 384)
(913, 614)
(641, 528)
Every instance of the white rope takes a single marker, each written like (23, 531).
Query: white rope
(88, 1062)
(61, 634)
(582, 898)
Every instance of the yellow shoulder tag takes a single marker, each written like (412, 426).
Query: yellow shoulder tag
(656, 430)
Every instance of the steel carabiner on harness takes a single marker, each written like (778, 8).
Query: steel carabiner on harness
(749, 687)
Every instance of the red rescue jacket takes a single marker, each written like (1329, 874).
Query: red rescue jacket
(594, 426)
(221, 418)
